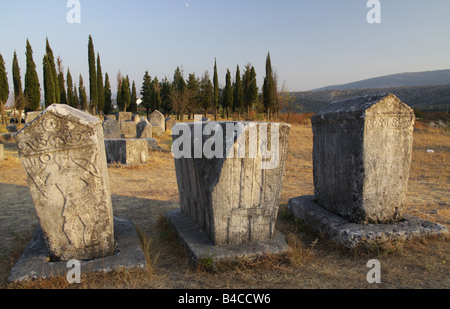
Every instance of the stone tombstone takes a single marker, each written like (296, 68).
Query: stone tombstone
(361, 157)
(144, 129)
(11, 128)
(124, 116)
(126, 151)
(30, 116)
(128, 129)
(230, 196)
(63, 154)
(158, 119)
(111, 128)
(136, 118)
(170, 122)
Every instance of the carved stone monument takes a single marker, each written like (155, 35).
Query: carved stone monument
(63, 154)
(128, 129)
(231, 195)
(144, 129)
(361, 160)
(126, 151)
(124, 116)
(111, 128)
(158, 119)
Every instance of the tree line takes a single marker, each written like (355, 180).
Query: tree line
(196, 94)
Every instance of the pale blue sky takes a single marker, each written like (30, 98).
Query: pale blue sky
(312, 43)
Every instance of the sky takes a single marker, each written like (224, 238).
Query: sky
(312, 44)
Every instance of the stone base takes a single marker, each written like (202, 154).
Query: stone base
(341, 231)
(34, 262)
(199, 246)
(126, 151)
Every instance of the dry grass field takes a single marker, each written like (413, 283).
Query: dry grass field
(143, 193)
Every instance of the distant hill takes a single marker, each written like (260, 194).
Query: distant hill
(429, 78)
(435, 98)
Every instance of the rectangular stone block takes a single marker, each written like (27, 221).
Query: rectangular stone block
(63, 154)
(144, 129)
(124, 116)
(2, 152)
(232, 195)
(361, 157)
(30, 116)
(158, 119)
(111, 128)
(126, 151)
(128, 129)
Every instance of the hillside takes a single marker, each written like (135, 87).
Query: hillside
(435, 98)
(428, 78)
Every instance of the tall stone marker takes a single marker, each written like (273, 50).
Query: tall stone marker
(361, 157)
(158, 119)
(230, 196)
(63, 154)
(361, 160)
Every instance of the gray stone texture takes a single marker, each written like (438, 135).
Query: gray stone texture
(170, 122)
(30, 116)
(128, 129)
(361, 157)
(233, 200)
(158, 119)
(12, 128)
(35, 263)
(63, 154)
(126, 151)
(124, 116)
(111, 128)
(349, 234)
(144, 129)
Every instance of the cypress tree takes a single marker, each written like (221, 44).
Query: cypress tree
(32, 89)
(207, 92)
(146, 92)
(49, 83)
(156, 95)
(100, 89)
(166, 89)
(19, 99)
(93, 91)
(133, 105)
(76, 101)
(216, 90)
(228, 94)
(51, 60)
(238, 93)
(268, 88)
(119, 101)
(107, 106)
(193, 94)
(82, 94)
(4, 89)
(61, 83)
(125, 94)
(70, 92)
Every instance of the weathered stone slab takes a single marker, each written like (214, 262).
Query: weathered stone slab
(170, 122)
(361, 156)
(136, 118)
(30, 116)
(349, 235)
(157, 131)
(199, 246)
(230, 195)
(12, 128)
(111, 128)
(158, 119)
(144, 129)
(34, 263)
(128, 129)
(124, 116)
(63, 154)
(126, 151)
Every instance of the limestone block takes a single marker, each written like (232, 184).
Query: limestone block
(111, 128)
(63, 154)
(2, 152)
(144, 129)
(30, 116)
(128, 129)
(230, 195)
(157, 131)
(158, 119)
(361, 156)
(170, 122)
(124, 116)
(126, 151)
